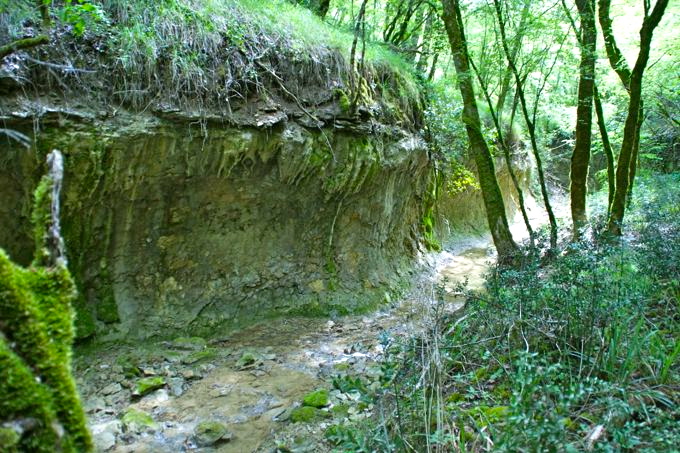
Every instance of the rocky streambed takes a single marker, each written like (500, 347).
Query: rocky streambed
(265, 388)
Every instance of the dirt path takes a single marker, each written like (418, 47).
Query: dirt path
(250, 381)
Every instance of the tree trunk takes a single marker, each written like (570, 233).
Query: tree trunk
(491, 193)
(611, 176)
(44, 8)
(630, 131)
(530, 125)
(580, 158)
(433, 68)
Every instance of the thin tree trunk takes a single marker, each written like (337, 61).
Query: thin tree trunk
(630, 131)
(506, 152)
(354, 75)
(44, 8)
(425, 34)
(580, 158)
(601, 124)
(491, 193)
(606, 145)
(433, 68)
(620, 66)
(505, 83)
(635, 158)
(530, 126)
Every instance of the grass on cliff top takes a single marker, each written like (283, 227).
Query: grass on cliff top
(200, 51)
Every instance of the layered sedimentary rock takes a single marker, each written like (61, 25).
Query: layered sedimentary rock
(174, 225)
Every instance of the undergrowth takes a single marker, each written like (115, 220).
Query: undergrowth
(577, 354)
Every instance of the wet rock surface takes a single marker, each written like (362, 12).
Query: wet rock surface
(264, 388)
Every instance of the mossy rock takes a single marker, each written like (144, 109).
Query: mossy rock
(247, 359)
(138, 421)
(211, 432)
(318, 398)
(307, 414)
(189, 343)
(148, 385)
(200, 356)
(84, 321)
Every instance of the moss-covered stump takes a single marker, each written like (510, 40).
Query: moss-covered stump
(40, 410)
(35, 359)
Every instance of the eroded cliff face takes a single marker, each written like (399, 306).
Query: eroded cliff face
(463, 213)
(172, 226)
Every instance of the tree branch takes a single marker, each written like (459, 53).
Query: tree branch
(21, 44)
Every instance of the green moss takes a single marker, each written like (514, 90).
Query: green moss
(343, 100)
(9, 438)
(83, 321)
(148, 385)
(40, 217)
(455, 397)
(200, 356)
(129, 365)
(341, 366)
(307, 414)
(36, 336)
(247, 359)
(35, 304)
(318, 398)
(138, 421)
(502, 392)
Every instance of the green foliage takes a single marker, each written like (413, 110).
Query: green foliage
(81, 15)
(576, 353)
(459, 179)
